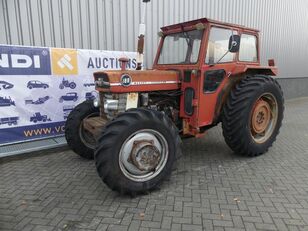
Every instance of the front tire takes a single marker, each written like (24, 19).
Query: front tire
(137, 150)
(78, 139)
(252, 115)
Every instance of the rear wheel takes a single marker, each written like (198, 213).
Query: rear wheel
(253, 115)
(137, 150)
(79, 139)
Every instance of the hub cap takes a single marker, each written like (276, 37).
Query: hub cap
(264, 118)
(143, 155)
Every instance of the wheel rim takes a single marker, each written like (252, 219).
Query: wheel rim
(264, 118)
(143, 155)
(87, 137)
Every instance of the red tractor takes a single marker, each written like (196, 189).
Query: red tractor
(205, 72)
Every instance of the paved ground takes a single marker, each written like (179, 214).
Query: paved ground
(211, 189)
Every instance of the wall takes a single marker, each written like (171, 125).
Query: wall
(113, 25)
(294, 87)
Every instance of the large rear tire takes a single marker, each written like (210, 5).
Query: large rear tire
(252, 115)
(137, 151)
(78, 139)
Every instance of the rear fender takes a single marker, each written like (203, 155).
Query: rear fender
(233, 80)
(252, 70)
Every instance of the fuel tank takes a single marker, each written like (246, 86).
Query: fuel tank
(121, 81)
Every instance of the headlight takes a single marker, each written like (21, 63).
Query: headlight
(96, 102)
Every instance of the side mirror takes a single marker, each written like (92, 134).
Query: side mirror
(234, 43)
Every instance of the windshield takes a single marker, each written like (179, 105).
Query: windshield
(181, 48)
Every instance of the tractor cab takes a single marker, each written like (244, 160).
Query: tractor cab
(206, 54)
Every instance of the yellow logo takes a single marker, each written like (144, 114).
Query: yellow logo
(64, 61)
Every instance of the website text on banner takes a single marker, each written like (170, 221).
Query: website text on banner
(39, 86)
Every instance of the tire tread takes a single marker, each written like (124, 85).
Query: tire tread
(234, 109)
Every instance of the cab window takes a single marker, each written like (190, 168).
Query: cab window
(218, 46)
(248, 48)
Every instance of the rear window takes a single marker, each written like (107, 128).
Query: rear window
(248, 48)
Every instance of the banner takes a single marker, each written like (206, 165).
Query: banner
(39, 86)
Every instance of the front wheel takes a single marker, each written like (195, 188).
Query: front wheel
(137, 150)
(253, 115)
(79, 139)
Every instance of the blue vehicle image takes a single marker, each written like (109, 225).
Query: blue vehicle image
(37, 84)
(9, 120)
(5, 85)
(38, 117)
(66, 83)
(90, 95)
(88, 84)
(6, 101)
(70, 96)
(67, 110)
(40, 100)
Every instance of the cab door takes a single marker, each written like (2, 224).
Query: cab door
(217, 67)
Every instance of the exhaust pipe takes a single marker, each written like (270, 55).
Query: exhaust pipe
(140, 45)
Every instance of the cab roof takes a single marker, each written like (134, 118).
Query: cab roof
(204, 21)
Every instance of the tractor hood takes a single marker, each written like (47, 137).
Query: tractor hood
(121, 81)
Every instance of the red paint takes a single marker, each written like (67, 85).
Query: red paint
(205, 104)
